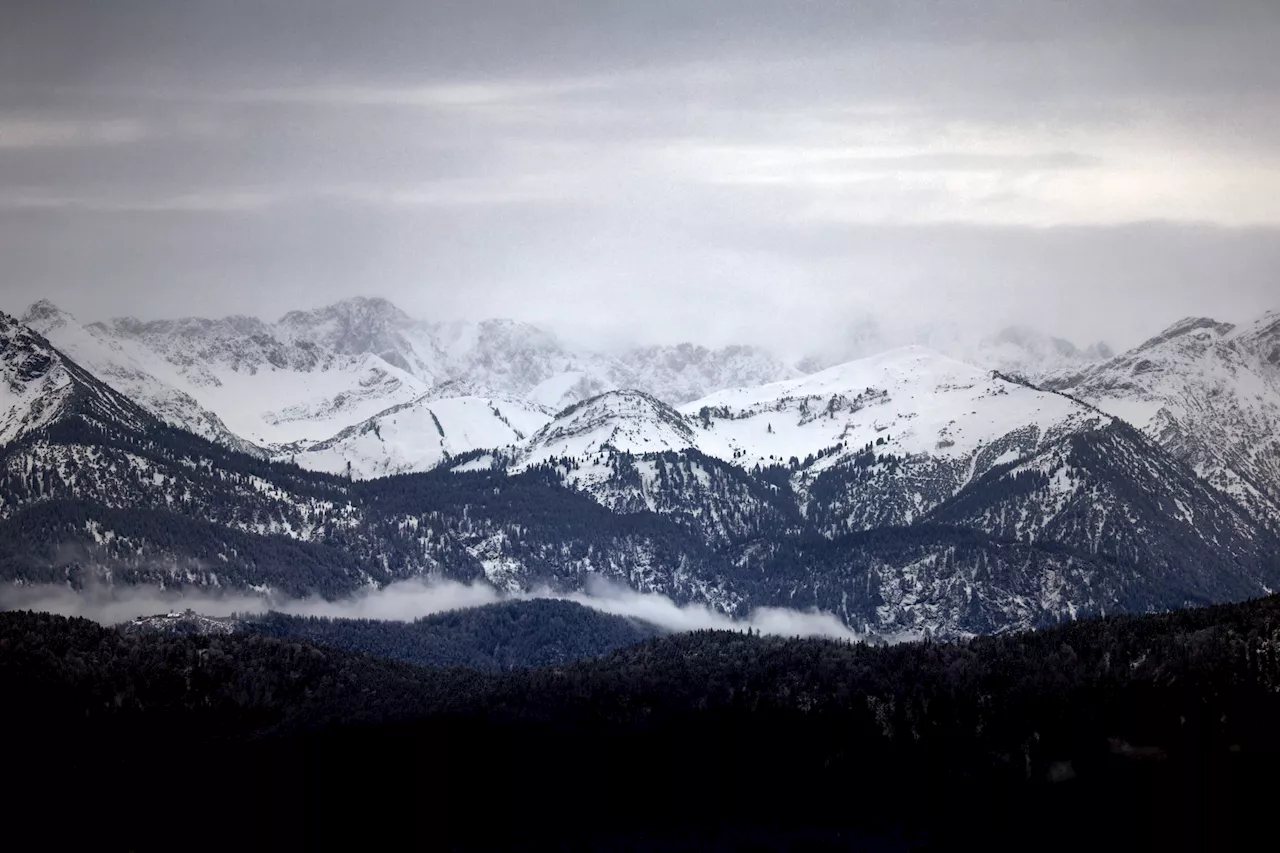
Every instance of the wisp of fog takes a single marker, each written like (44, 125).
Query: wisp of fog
(409, 600)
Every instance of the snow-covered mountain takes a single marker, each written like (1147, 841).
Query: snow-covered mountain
(450, 420)
(875, 442)
(909, 401)
(519, 358)
(908, 438)
(1207, 391)
(618, 422)
(149, 381)
(1029, 352)
(686, 372)
(905, 493)
(319, 386)
(40, 387)
(95, 489)
(1020, 350)
(271, 384)
(364, 326)
(34, 387)
(314, 375)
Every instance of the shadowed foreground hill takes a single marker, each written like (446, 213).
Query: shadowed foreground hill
(1147, 732)
(506, 635)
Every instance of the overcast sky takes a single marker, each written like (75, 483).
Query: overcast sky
(662, 170)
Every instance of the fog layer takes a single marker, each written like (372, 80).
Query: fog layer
(406, 601)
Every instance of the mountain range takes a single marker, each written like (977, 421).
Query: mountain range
(906, 492)
(245, 382)
(277, 389)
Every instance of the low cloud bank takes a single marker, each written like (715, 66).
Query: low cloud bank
(610, 597)
(408, 600)
(111, 605)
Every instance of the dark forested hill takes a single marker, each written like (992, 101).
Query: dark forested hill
(1149, 732)
(502, 636)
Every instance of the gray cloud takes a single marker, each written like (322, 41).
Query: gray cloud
(721, 171)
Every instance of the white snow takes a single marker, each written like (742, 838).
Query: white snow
(624, 421)
(422, 435)
(913, 400)
(274, 406)
(1210, 393)
(34, 384)
(314, 373)
(140, 375)
(916, 403)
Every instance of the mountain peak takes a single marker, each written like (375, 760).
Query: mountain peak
(362, 309)
(623, 402)
(509, 329)
(1200, 326)
(358, 326)
(1101, 351)
(185, 328)
(625, 421)
(44, 316)
(1263, 336)
(1037, 343)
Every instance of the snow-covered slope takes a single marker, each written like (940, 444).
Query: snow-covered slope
(519, 358)
(313, 374)
(34, 387)
(910, 401)
(633, 453)
(269, 384)
(448, 421)
(133, 372)
(1113, 493)
(1208, 392)
(685, 372)
(1030, 352)
(623, 422)
(1021, 350)
(876, 442)
(40, 387)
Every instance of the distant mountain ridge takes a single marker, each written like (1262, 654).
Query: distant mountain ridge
(906, 493)
(1207, 391)
(148, 381)
(248, 383)
(261, 386)
(1019, 349)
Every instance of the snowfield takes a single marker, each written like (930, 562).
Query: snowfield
(909, 401)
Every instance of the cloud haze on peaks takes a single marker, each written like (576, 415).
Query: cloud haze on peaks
(720, 171)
